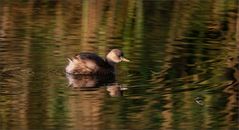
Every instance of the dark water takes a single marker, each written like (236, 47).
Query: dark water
(183, 72)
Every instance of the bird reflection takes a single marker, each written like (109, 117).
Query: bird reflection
(116, 90)
(92, 82)
(232, 71)
(88, 81)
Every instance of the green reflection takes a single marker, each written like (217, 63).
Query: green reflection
(180, 51)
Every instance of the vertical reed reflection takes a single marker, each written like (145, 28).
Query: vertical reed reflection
(183, 74)
(85, 109)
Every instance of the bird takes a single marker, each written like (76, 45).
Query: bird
(88, 63)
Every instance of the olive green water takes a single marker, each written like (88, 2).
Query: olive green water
(183, 73)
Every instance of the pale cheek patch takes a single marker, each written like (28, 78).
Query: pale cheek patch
(113, 57)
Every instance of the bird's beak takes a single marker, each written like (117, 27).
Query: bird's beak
(124, 59)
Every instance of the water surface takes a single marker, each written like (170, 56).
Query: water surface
(183, 72)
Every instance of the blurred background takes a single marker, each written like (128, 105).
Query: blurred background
(183, 74)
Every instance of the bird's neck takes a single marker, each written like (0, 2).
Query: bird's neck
(110, 62)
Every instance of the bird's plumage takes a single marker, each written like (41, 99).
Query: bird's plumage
(87, 63)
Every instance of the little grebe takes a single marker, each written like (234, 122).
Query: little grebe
(87, 63)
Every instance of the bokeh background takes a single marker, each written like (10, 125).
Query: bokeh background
(183, 72)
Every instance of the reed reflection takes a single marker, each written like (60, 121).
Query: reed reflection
(179, 49)
(85, 107)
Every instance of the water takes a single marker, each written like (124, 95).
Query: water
(183, 72)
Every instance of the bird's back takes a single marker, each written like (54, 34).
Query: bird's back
(88, 63)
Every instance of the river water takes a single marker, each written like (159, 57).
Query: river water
(183, 72)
